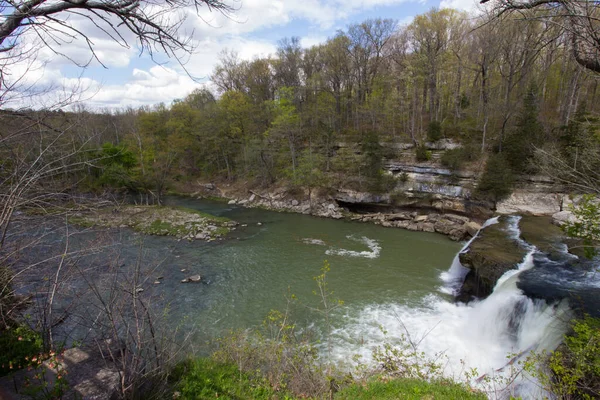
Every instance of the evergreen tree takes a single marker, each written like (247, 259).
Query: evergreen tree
(520, 144)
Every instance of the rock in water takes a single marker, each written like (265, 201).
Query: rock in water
(185, 280)
(195, 278)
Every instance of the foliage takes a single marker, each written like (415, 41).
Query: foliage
(204, 378)
(519, 146)
(422, 154)
(49, 377)
(18, 344)
(573, 370)
(434, 131)
(454, 159)
(497, 180)
(372, 154)
(586, 224)
(385, 388)
(116, 164)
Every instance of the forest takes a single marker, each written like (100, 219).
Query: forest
(505, 88)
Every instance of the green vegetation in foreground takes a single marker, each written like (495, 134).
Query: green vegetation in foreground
(384, 388)
(180, 222)
(204, 378)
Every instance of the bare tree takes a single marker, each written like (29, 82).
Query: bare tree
(156, 26)
(580, 18)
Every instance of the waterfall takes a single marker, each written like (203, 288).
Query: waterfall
(489, 336)
(455, 276)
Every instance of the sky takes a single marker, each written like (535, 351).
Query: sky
(125, 78)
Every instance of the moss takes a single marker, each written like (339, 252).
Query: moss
(382, 388)
(540, 232)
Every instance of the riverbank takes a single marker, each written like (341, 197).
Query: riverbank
(455, 226)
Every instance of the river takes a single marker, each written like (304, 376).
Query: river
(390, 280)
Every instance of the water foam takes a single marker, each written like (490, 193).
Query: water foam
(372, 244)
(317, 242)
(461, 337)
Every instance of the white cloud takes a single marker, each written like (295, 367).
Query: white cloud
(465, 5)
(213, 32)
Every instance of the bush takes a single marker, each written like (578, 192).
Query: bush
(17, 346)
(454, 159)
(575, 365)
(434, 131)
(422, 154)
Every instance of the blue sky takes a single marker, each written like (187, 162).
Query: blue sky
(253, 31)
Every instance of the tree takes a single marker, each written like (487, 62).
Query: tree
(497, 180)
(579, 18)
(520, 144)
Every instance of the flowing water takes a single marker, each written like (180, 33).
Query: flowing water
(395, 284)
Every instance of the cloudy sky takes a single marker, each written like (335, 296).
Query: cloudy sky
(128, 79)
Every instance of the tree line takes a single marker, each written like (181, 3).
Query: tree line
(330, 114)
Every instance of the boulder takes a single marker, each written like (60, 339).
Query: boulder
(428, 227)
(459, 219)
(195, 278)
(398, 217)
(458, 234)
(412, 227)
(231, 202)
(531, 202)
(295, 203)
(420, 218)
(252, 198)
(444, 226)
(331, 207)
(472, 227)
(562, 217)
(201, 236)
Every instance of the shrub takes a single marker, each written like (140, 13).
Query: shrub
(573, 370)
(17, 346)
(422, 154)
(434, 131)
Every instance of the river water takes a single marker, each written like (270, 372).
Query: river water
(394, 283)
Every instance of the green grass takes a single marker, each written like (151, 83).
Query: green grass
(206, 379)
(410, 389)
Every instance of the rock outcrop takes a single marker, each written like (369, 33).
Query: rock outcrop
(490, 255)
